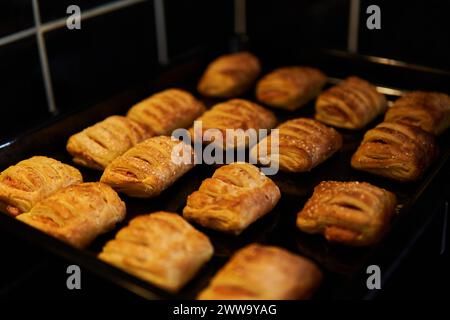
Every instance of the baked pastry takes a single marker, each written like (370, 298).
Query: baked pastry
(229, 75)
(78, 213)
(96, 146)
(31, 180)
(259, 272)
(167, 110)
(161, 248)
(427, 110)
(351, 213)
(351, 104)
(290, 87)
(234, 114)
(147, 169)
(302, 144)
(395, 150)
(234, 197)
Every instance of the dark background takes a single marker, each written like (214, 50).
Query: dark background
(114, 51)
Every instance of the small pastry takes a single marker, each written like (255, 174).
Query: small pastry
(259, 272)
(427, 110)
(149, 167)
(78, 213)
(96, 146)
(31, 180)
(234, 114)
(167, 110)
(302, 145)
(229, 75)
(237, 195)
(290, 87)
(351, 104)
(351, 213)
(161, 248)
(397, 151)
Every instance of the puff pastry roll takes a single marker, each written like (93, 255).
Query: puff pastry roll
(427, 110)
(351, 104)
(147, 169)
(259, 272)
(31, 180)
(397, 151)
(351, 213)
(161, 248)
(167, 110)
(229, 75)
(302, 144)
(96, 146)
(290, 87)
(237, 195)
(78, 213)
(235, 114)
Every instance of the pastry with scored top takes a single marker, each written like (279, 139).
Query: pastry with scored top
(96, 146)
(302, 145)
(427, 110)
(149, 167)
(260, 272)
(161, 248)
(229, 75)
(351, 213)
(234, 197)
(167, 110)
(351, 104)
(290, 88)
(31, 180)
(78, 213)
(395, 150)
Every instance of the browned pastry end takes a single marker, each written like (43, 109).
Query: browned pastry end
(96, 146)
(395, 150)
(229, 75)
(302, 145)
(351, 213)
(167, 110)
(149, 167)
(234, 197)
(259, 272)
(351, 104)
(31, 180)
(235, 114)
(290, 87)
(427, 110)
(161, 248)
(78, 213)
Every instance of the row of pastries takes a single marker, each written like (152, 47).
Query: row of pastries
(134, 153)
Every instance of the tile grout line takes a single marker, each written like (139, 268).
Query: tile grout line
(353, 26)
(44, 59)
(17, 36)
(161, 34)
(240, 17)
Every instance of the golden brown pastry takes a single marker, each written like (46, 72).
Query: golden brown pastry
(234, 197)
(167, 110)
(427, 110)
(235, 114)
(229, 75)
(161, 248)
(397, 151)
(351, 104)
(290, 87)
(96, 146)
(259, 272)
(31, 180)
(78, 213)
(302, 144)
(147, 169)
(351, 213)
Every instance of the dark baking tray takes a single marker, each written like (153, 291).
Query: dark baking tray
(344, 267)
